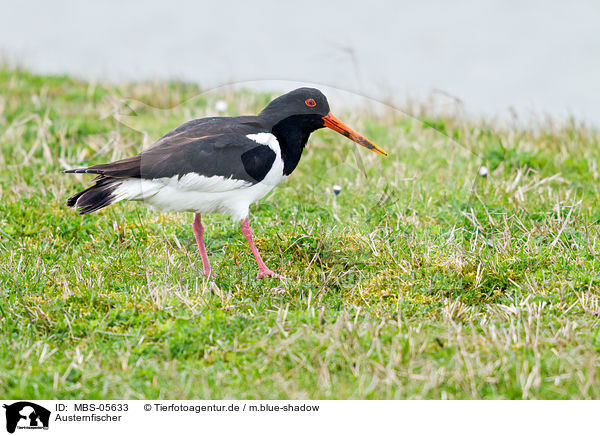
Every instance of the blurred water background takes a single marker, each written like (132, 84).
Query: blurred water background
(492, 58)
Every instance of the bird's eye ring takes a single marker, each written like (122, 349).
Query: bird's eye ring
(310, 102)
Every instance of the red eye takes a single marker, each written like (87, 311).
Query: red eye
(310, 102)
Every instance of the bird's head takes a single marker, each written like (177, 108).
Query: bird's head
(307, 109)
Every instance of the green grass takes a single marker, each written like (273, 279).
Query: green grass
(421, 280)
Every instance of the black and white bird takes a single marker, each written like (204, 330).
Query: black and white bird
(217, 164)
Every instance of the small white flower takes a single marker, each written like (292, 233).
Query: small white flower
(221, 106)
(483, 171)
(337, 189)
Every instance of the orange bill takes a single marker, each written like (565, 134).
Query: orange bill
(335, 124)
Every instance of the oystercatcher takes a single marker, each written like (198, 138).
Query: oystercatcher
(217, 164)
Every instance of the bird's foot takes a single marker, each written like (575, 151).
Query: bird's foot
(266, 272)
(209, 274)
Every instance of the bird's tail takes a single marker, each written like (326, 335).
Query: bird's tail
(96, 197)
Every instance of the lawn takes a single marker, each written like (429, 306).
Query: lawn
(421, 280)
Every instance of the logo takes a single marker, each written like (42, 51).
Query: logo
(26, 415)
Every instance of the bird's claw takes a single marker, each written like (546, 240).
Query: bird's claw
(262, 273)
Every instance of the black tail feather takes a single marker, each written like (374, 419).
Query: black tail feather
(124, 168)
(81, 171)
(95, 197)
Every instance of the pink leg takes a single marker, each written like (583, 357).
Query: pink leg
(263, 271)
(199, 234)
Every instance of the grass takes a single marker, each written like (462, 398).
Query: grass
(421, 280)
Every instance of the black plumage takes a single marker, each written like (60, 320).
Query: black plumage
(177, 155)
(217, 164)
(95, 197)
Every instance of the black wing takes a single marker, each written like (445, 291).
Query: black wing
(208, 146)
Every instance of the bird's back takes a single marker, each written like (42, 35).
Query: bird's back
(189, 165)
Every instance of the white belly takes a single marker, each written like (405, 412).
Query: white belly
(199, 194)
